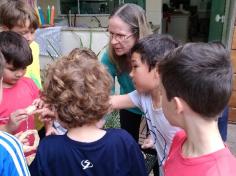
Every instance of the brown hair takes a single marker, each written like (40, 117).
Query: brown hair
(15, 49)
(78, 88)
(2, 64)
(200, 74)
(152, 48)
(78, 53)
(135, 17)
(16, 12)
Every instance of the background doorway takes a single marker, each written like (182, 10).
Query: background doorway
(194, 20)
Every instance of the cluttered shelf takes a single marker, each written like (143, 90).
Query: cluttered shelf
(44, 20)
(94, 0)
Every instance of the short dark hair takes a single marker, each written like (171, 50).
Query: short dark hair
(15, 49)
(2, 64)
(201, 74)
(153, 48)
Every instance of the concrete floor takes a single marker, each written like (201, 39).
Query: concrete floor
(231, 138)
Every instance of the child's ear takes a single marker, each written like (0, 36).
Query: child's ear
(178, 105)
(157, 75)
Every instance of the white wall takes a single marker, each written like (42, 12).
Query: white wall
(166, 1)
(154, 11)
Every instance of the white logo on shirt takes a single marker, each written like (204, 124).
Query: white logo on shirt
(86, 164)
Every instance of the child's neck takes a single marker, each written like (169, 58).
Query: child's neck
(203, 137)
(5, 85)
(86, 133)
(156, 98)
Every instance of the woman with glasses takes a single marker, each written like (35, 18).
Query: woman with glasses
(127, 24)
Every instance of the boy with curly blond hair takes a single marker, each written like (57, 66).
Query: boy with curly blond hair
(77, 87)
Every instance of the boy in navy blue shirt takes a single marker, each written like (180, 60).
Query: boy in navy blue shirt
(78, 88)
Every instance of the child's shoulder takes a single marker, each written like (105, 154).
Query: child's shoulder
(118, 135)
(27, 81)
(9, 142)
(179, 136)
(226, 161)
(117, 131)
(34, 46)
(178, 140)
(56, 140)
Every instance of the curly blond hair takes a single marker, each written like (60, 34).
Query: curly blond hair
(78, 88)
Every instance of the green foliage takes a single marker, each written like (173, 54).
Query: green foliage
(113, 120)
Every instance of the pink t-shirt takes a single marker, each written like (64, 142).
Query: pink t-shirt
(20, 96)
(219, 163)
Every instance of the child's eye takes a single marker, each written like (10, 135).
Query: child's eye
(12, 69)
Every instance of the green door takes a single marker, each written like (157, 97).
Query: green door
(138, 2)
(217, 20)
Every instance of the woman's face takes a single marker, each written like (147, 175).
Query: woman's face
(121, 37)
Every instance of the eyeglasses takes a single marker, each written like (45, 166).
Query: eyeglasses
(120, 37)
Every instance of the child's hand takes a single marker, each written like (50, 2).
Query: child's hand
(35, 107)
(15, 119)
(46, 114)
(148, 143)
(23, 137)
(38, 103)
(24, 141)
(51, 131)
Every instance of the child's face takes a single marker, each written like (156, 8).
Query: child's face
(12, 75)
(144, 80)
(25, 31)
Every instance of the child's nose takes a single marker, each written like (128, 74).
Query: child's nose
(131, 74)
(20, 73)
(28, 36)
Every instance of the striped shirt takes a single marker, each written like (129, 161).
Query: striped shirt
(12, 160)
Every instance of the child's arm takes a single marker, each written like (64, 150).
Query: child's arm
(121, 102)
(50, 129)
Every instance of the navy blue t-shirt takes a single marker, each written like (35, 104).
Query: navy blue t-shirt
(115, 154)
